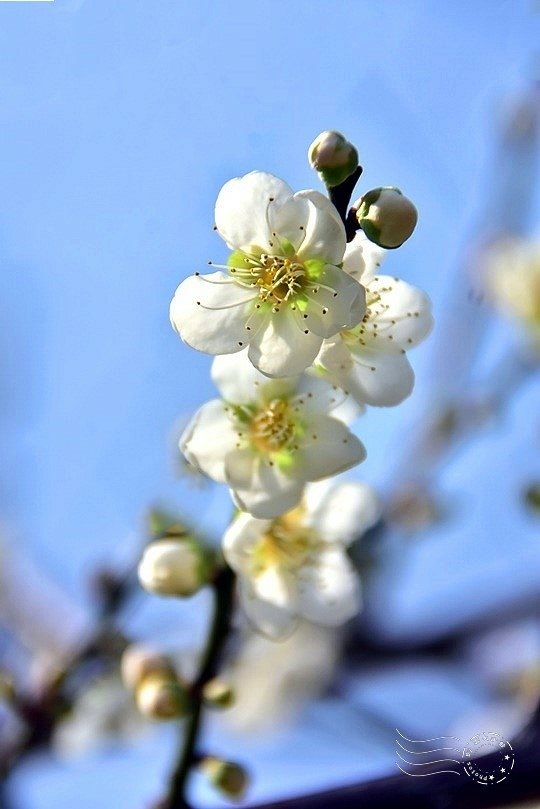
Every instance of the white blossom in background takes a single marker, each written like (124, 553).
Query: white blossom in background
(296, 566)
(265, 438)
(282, 291)
(514, 281)
(370, 360)
(273, 680)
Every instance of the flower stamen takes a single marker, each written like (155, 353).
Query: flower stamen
(272, 428)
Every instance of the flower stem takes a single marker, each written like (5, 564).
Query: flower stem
(223, 586)
(340, 196)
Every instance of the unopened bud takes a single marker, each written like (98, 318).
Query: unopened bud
(227, 777)
(174, 567)
(333, 157)
(139, 661)
(218, 693)
(386, 216)
(160, 697)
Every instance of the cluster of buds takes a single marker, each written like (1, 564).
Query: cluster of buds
(161, 695)
(159, 692)
(384, 214)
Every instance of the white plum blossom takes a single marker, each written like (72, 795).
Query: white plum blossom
(369, 361)
(272, 681)
(282, 290)
(265, 438)
(513, 274)
(296, 566)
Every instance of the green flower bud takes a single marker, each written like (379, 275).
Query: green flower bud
(177, 566)
(333, 157)
(162, 697)
(227, 777)
(386, 216)
(218, 693)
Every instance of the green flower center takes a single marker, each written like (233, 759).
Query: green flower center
(278, 279)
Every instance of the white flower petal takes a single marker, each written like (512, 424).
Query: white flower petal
(210, 313)
(276, 586)
(327, 448)
(240, 538)
(242, 469)
(321, 201)
(377, 378)
(403, 312)
(288, 222)
(329, 591)
(317, 394)
(242, 210)
(363, 258)
(238, 380)
(208, 438)
(335, 355)
(336, 301)
(325, 234)
(274, 622)
(341, 512)
(281, 347)
(271, 492)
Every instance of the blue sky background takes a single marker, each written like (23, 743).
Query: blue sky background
(119, 122)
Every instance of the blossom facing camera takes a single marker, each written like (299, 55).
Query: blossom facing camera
(386, 216)
(282, 290)
(227, 777)
(174, 567)
(267, 437)
(162, 698)
(296, 566)
(370, 361)
(333, 157)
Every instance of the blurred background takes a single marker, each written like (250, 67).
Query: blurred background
(119, 122)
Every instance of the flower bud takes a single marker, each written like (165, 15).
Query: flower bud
(174, 567)
(333, 157)
(227, 777)
(162, 697)
(139, 661)
(218, 693)
(386, 216)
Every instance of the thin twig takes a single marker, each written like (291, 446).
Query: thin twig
(223, 585)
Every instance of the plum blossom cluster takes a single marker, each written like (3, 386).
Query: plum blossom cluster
(306, 332)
